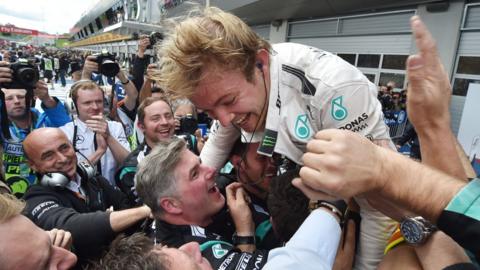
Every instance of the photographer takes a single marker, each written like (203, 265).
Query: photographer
(186, 124)
(23, 118)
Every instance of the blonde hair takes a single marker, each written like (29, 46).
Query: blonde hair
(207, 36)
(10, 207)
(83, 85)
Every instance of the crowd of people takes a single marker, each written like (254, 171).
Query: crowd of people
(230, 153)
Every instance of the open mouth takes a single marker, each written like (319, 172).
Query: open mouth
(242, 120)
(213, 189)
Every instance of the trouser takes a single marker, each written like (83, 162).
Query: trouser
(62, 77)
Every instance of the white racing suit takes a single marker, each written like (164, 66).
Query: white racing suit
(312, 90)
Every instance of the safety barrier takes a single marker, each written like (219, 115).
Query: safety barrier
(396, 122)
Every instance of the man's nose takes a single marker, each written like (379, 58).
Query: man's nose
(224, 116)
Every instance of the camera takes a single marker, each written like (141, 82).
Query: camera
(154, 37)
(24, 75)
(106, 64)
(188, 124)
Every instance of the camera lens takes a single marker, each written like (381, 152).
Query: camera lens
(27, 76)
(109, 68)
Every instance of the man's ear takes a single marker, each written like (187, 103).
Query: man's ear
(141, 126)
(235, 160)
(32, 165)
(171, 205)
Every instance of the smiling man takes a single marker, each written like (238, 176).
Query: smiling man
(71, 197)
(156, 121)
(188, 206)
(90, 131)
(279, 95)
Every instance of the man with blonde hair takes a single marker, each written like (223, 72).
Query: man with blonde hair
(91, 132)
(279, 95)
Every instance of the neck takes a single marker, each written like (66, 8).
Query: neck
(22, 122)
(181, 220)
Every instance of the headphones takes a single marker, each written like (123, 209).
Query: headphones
(60, 180)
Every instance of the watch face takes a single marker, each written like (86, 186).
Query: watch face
(411, 231)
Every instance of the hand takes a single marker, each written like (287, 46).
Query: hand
(89, 67)
(41, 90)
(61, 238)
(429, 90)
(5, 72)
(101, 144)
(143, 43)
(99, 125)
(342, 163)
(237, 202)
(152, 71)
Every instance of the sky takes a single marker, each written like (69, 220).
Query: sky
(51, 16)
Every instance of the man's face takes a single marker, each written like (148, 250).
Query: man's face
(188, 256)
(15, 103)
(54, 154)
(25, 246)
(158, 123)
(89, 103)
(226, 95)
(255, 171)
(197, 192)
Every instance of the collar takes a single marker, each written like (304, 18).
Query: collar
(270, 134)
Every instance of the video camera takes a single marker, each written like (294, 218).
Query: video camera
(24, 75)
(106, 64)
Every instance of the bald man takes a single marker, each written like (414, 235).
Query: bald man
(68, 198)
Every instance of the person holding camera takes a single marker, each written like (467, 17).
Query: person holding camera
(19, 83)
(186, 124)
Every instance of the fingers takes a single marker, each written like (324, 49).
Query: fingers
(423, 39)
(60, 238)
(312, 194)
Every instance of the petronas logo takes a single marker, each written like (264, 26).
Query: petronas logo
(302, 129)
(218, 251)
(338, 111)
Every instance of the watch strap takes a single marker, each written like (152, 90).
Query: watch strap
(243, 240)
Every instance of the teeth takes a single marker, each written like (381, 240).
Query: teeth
(239, 121)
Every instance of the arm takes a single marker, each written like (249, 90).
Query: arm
(241, 214)
(313, 246)
(146, 90)
(140, 63)
(121, 220)
(130, 90)
(439, 252)
(219, 144)
(89, 231)
(429, 94)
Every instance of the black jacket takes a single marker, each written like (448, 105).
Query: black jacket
(86, 220)
(215, 240)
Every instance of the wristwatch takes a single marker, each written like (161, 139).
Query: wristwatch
(243, 240)
(416, 230)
